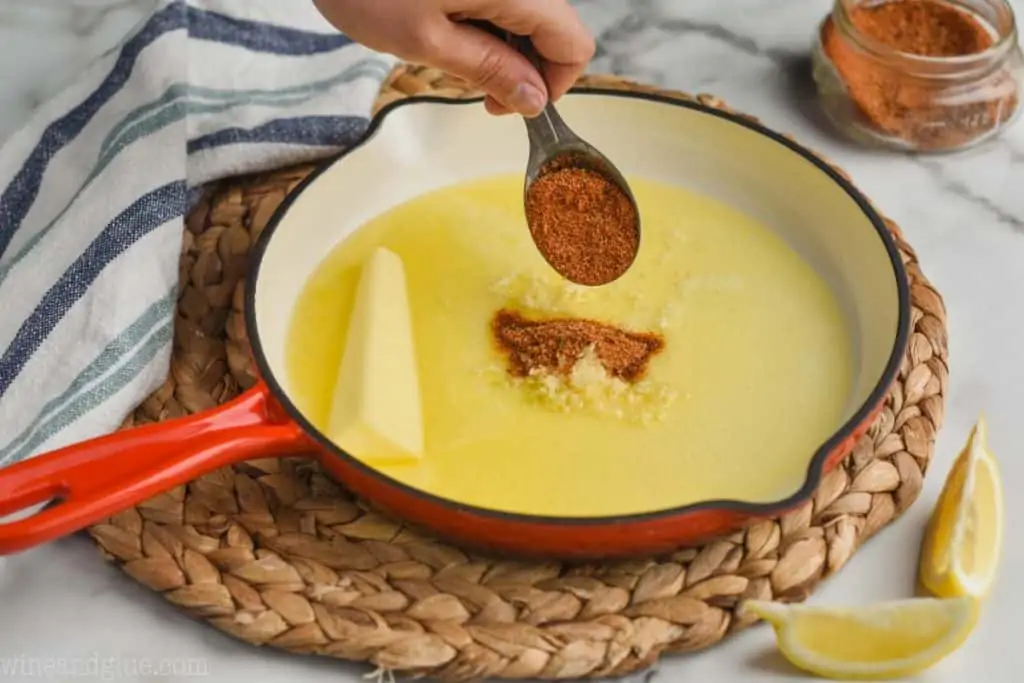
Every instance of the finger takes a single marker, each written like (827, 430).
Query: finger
(491, 65)
(495, 107)
(561, 77)
(555, 28)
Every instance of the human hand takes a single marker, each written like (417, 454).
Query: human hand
(433, 33)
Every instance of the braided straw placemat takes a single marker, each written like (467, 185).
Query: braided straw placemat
(275, 553)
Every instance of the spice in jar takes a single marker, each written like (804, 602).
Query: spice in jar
(554, 346)
(583, 224)
(928, 106)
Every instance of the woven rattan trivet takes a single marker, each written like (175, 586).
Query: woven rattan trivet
(276, 554)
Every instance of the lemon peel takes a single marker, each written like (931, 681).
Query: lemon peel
(878, 641)
(963, 541)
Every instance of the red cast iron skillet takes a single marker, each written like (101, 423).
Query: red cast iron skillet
(90, 481)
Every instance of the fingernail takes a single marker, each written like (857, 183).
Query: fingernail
(528, 100)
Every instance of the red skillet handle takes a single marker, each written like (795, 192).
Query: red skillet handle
(96, 479)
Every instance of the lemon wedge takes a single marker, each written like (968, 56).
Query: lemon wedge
(964, 537)
(878, 641)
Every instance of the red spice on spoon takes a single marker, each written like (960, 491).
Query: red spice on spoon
(583, 224)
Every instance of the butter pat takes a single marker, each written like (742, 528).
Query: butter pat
(376, 414)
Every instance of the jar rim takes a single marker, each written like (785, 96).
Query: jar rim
(1005, 42)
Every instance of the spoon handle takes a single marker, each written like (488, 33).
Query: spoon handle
(547, 132)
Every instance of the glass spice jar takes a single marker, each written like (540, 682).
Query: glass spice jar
(948, 78)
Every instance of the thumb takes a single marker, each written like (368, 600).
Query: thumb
(492, 66)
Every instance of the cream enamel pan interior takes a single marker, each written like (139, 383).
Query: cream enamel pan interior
(417, 146)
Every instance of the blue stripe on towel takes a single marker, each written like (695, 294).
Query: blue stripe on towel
(171, 108)
(99, 393)
(169, 115)
(146, 214)
(20, 194)
(300, 130)
(259, 36)
(290, 96)
(119, 347)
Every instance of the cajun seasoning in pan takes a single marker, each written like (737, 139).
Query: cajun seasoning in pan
(555, 345)
(570, 364)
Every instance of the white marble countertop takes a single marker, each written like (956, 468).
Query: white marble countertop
(964, 214)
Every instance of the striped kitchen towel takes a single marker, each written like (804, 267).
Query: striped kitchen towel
(95, 187)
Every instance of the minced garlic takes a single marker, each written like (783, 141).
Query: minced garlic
(533, 292)
(588, 388)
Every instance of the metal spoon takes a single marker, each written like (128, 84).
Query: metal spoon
(551, 141)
